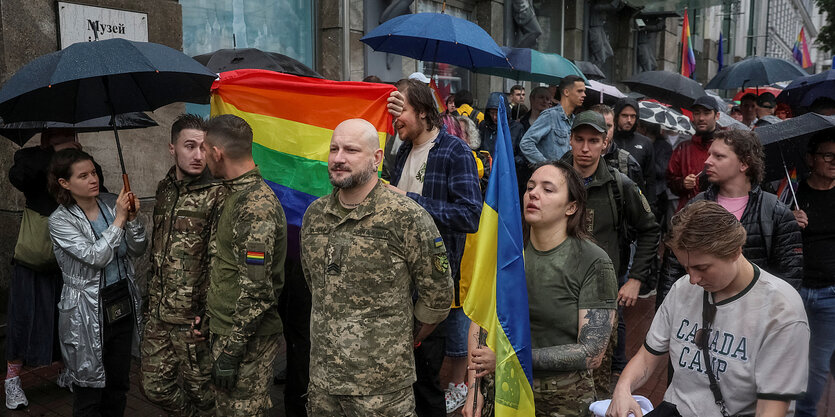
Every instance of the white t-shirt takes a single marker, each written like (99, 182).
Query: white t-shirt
(759, 346)
(411, 179)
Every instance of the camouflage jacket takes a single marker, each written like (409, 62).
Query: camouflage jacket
(247, 250)
(363, 268)
(179, 246)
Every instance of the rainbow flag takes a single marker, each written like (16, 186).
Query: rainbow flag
(439, 101)
(292, 120)
(787, 187)
(801, 50)
(688, 59)
(497, 298)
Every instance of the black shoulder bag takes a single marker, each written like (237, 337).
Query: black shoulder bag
(115, 298)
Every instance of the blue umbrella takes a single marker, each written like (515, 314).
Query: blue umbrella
(755, 71)
(804, 91)
(437, 37)
(532, 65)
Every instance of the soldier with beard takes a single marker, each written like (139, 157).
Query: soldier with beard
(364, 250)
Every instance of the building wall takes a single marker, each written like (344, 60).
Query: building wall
(28, 29)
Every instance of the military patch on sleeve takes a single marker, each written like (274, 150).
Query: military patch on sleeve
(439, 242)
(441, 262)
(254, 258)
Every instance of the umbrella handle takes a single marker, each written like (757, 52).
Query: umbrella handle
(126, 183)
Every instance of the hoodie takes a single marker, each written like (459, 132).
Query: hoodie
(639, 146)
(487, 128)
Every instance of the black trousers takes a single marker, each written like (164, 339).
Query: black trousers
(294, 307)
(429, 356)
(110, 400)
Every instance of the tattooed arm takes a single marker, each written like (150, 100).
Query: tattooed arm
(592, 338)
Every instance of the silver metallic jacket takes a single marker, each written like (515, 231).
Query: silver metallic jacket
(82, 258)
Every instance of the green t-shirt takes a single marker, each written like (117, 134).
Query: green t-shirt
(575, 275)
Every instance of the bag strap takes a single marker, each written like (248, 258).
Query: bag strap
(708, 314)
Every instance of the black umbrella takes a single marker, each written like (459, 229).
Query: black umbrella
(667, 87)
(755, 71)
(104, 78)
(233, 59)
(590, 70)
(785, 142)
(21, 132)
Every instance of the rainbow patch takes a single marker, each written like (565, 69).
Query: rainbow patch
(254, 258)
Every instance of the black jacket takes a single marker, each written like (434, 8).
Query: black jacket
(639, 146)
(780, 253)
(29, 175)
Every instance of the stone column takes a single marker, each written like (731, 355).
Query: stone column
(574, 28)
(490, 16)
(332, 59)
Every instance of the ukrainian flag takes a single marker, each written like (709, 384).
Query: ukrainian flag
(497, 297)
(292, 120)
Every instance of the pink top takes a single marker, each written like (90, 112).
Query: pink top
(735, 205)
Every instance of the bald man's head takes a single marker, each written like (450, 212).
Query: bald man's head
(359, 128)
(354, 154)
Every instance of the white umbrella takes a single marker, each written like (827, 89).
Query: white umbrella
(664, 116)
(606, 89)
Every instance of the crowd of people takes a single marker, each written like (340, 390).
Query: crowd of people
(614, 210)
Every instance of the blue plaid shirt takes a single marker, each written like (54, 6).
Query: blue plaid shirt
(451, 194)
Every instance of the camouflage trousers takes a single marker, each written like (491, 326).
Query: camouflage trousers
(170, 352)
(395, 404)
(566, 395)
(251, 395)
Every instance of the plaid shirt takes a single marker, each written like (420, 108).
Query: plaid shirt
(451, 194)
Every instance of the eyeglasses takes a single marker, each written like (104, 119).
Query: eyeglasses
(826, 156)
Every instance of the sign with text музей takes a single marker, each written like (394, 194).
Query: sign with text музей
(80, 23)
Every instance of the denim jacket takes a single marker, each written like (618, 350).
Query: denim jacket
(547, 138)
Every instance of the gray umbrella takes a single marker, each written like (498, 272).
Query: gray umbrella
(590, 70)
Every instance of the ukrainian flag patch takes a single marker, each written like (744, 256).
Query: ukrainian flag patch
(254, 258)
(439, 242)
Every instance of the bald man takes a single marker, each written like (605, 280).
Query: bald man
(364, 248)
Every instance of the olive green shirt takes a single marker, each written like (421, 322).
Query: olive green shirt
(575, 275)
(247, 253)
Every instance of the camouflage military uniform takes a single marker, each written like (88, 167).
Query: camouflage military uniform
(566, 394)
(177, 293)
(247, 253)
(362, 266)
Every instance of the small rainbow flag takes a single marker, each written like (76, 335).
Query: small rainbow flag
(688, 59)
(254, 258)
(785, 191)
(292, 120)
(439, 101)
(801, 50)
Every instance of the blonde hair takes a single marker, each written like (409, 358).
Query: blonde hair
(707, 227)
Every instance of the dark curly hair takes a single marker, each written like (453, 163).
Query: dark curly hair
(746, 145)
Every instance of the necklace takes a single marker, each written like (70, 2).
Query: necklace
(347, 205)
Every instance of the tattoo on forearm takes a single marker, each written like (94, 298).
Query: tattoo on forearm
(592, 341)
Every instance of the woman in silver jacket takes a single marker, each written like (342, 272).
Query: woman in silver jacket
(95, 238)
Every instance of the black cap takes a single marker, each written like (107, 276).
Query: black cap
(707, 102)
(767, 100)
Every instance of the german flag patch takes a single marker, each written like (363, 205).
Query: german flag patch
(254, 258)
(439, 242)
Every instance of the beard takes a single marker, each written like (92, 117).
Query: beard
(355, 179)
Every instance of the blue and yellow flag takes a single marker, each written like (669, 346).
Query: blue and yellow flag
(497, 297)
